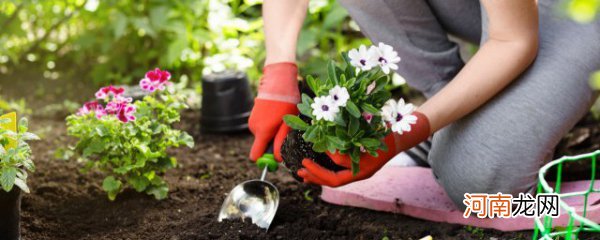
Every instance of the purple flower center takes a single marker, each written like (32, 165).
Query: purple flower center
(382, 60)
(335, 97)
(399, 117)
(363, 62)
(325, 108)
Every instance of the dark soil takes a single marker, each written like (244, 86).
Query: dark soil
(295, 149)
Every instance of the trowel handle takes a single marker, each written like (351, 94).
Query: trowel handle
(268, 160)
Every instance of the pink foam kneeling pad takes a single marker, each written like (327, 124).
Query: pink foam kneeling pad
(413, 191)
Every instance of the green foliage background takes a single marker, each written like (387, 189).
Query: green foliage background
(117, 41)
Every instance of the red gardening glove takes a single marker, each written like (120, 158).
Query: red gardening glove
(278, 96)
(368, 165)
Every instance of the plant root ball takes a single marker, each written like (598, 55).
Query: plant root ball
(295, 149)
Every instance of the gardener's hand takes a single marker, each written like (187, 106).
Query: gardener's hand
(368, 165)
(278, 95)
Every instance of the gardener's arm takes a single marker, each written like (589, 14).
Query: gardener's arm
(510, 49)
(278, 92)
(283, 20)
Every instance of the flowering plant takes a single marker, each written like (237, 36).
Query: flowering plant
(129, 140)
(15, 153)
(352, 109)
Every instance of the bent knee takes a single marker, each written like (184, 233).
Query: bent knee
(456, 185)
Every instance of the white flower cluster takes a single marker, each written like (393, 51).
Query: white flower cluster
(382, 56)
(326, 107)
(399, 115)
(230, 50)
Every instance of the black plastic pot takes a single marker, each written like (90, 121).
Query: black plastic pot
(10, 209)
(226, 102)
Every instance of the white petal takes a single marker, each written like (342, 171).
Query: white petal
(406, 109)
(412, 119)
(405, 127)
(385, 69)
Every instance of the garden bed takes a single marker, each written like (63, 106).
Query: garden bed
(66, 204)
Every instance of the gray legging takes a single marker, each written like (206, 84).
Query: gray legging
(500, 146)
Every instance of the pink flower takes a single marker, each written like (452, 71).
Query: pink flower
(155, 80)
(92, 107)
(367, 116)
(126, 113)
(109, 91)
(114, 106)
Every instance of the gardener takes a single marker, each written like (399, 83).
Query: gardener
(496, 119)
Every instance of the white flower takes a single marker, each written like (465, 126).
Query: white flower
(325, 108)
(340, 95)
(399, 115)
(386, 57)
(363, 58)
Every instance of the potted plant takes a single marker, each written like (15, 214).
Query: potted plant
(128, 141)
(344, 111)
(15, 163)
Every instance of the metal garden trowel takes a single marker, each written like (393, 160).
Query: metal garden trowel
(254, 199)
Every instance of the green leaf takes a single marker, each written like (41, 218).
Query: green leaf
(331, 73)
(320, 146)
(370, 142)
(353, 109)
(7, 178)
(312, 84)
(139, 183)
(336, 141)
(102, 131)
(23, 125)
(353, 126)
(159, 192)
(305, 109)
(355, 158)
(295, 122)
(186, 139)
(369, 108)
(339, 120)
(95, 146)
(311, 134)
(112, 186)
(342, 134)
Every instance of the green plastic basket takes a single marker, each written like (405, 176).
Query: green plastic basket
(578, 223)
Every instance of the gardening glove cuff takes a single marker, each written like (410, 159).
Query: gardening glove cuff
(280, 83)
